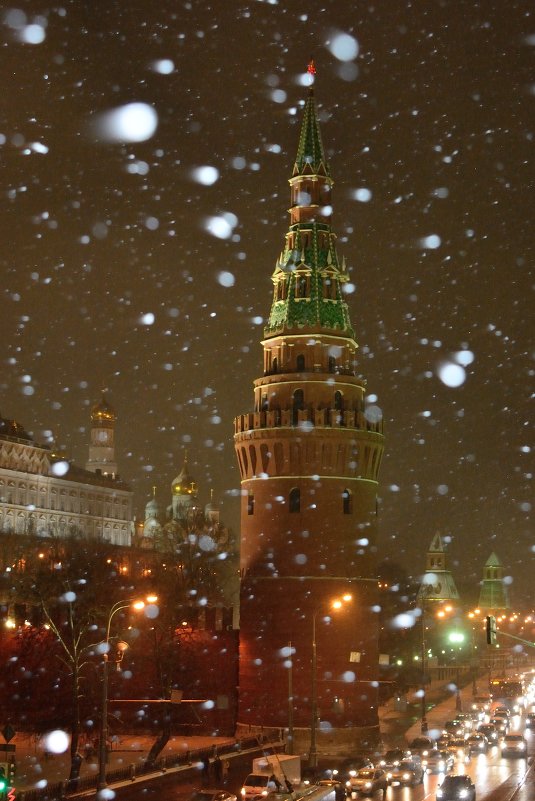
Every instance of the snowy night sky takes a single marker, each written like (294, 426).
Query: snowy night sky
(125, 266)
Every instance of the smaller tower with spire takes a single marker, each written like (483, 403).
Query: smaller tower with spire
(437, 582)
(493, 596)
(102, 447)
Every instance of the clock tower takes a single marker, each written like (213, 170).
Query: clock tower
(102, 448)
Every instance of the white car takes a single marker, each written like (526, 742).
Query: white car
(258, 784)
(438, 761)
(514, 745)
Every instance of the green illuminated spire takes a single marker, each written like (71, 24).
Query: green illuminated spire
(308, 275)
(310, 159)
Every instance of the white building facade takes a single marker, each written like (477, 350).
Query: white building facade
(44, 495)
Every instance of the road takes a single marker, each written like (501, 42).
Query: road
(496, 779)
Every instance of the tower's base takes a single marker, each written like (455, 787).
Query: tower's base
(336, 744)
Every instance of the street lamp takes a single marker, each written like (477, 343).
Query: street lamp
(426, 591)
(121, 648)
(313, 754)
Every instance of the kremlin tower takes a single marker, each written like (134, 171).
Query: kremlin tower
(309, 456)
(102, 447)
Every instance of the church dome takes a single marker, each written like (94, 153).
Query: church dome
(184, 484)
(102, 412)
(152, 509)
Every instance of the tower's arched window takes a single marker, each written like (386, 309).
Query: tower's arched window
(264, 455)
(252, 453)
(298, 402)
(300, 363)
(347, 502)
(275, 365)
(294, 500)
(332, 364)
(301, 287)
(250, 504)
(338, 401)
(328, 287)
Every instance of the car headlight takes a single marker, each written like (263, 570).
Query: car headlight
(348, 783)
(368, 784)
(482, 745)
(406, 776)
(522, 746)
(463, 793)
(353, 773)
(425, 753)
(440, 793)
(441, 765)
(388, 775)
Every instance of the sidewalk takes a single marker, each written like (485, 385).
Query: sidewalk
(36, 768)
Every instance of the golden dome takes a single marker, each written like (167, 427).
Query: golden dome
(102, 412)
(184, 484)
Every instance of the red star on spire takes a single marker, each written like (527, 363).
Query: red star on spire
(311, 69)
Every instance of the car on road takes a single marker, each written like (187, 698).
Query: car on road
(213, 795)
(454, 727)
(349, 767)
(500, 712)
(409, 771)
(421, 746)
(459, 748)
(367, 781)
(465, 719)
(457, 788)
(443, 742)
(488, 731)
(258, 784)
(501, 725)
(392, 757)
(477, 744)
(529, 722)
(513, 745)
(482, 703)
(438, 761)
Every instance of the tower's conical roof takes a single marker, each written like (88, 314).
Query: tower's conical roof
(436, 544)
(493, 561)
(308, 275)
(310, 159)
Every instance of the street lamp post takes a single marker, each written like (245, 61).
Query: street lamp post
(102, 746)
(313, 753)
(424, 727)
(313, 756)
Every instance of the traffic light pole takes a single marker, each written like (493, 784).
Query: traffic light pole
(492, 632)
